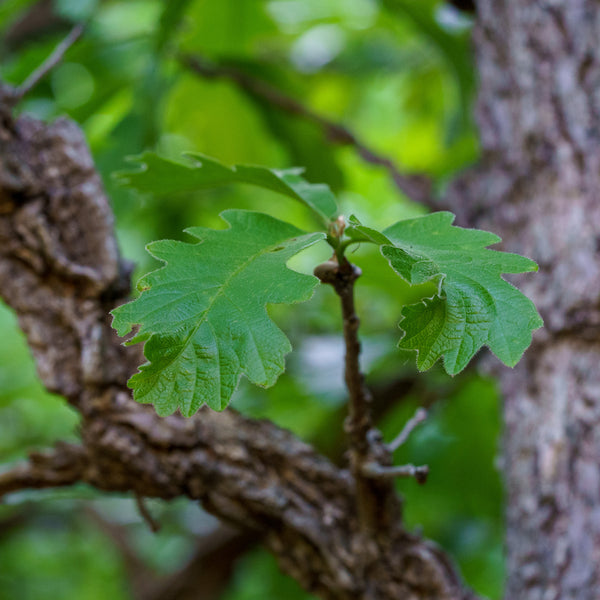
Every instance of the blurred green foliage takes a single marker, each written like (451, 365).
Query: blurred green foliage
(398, 74)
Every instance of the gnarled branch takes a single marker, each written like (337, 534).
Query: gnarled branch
(60, 467)
(61, 272)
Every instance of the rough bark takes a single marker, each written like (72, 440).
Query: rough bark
(538, 187)
(61, 272)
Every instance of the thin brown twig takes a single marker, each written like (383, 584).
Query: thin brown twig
(57, 55)
(416, 187)
(152, 523)
(375, 499)
(41, 19)
(60, 467)
(377, 471)
(419, 416)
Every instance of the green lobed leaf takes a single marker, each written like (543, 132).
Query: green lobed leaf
(203, 315)
(161, 176)
(358, 232)
(475, 306)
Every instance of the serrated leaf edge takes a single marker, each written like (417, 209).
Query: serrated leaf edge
(145, 336)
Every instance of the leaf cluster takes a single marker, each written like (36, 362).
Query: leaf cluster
(203, 315)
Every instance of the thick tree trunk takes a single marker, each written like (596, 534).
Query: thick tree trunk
(538, 186)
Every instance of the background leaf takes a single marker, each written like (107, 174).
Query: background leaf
(162, 176)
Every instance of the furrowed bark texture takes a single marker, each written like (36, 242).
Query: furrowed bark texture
(538, 187)
(60, 271)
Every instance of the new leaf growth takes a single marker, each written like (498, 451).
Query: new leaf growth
(203, 315)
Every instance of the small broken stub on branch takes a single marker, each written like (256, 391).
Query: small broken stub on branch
(327, 271)
(335, 274)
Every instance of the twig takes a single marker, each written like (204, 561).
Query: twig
(408, 428)
(152, 523)
(60, 467)
(39, 20)
(377, 471)
(54, 58)
(416, 187)
(375, 499)
(359, 422)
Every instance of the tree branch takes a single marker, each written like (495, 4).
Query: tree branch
(41, 19)
(377, 507)
(419, 416)
(376, 471)
(152, 523)
(61, 272)
(54, 58)
(415, 187)
(60, 467)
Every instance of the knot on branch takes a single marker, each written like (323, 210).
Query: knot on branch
(340, 276)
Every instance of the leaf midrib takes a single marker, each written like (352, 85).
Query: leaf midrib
(204, 316)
